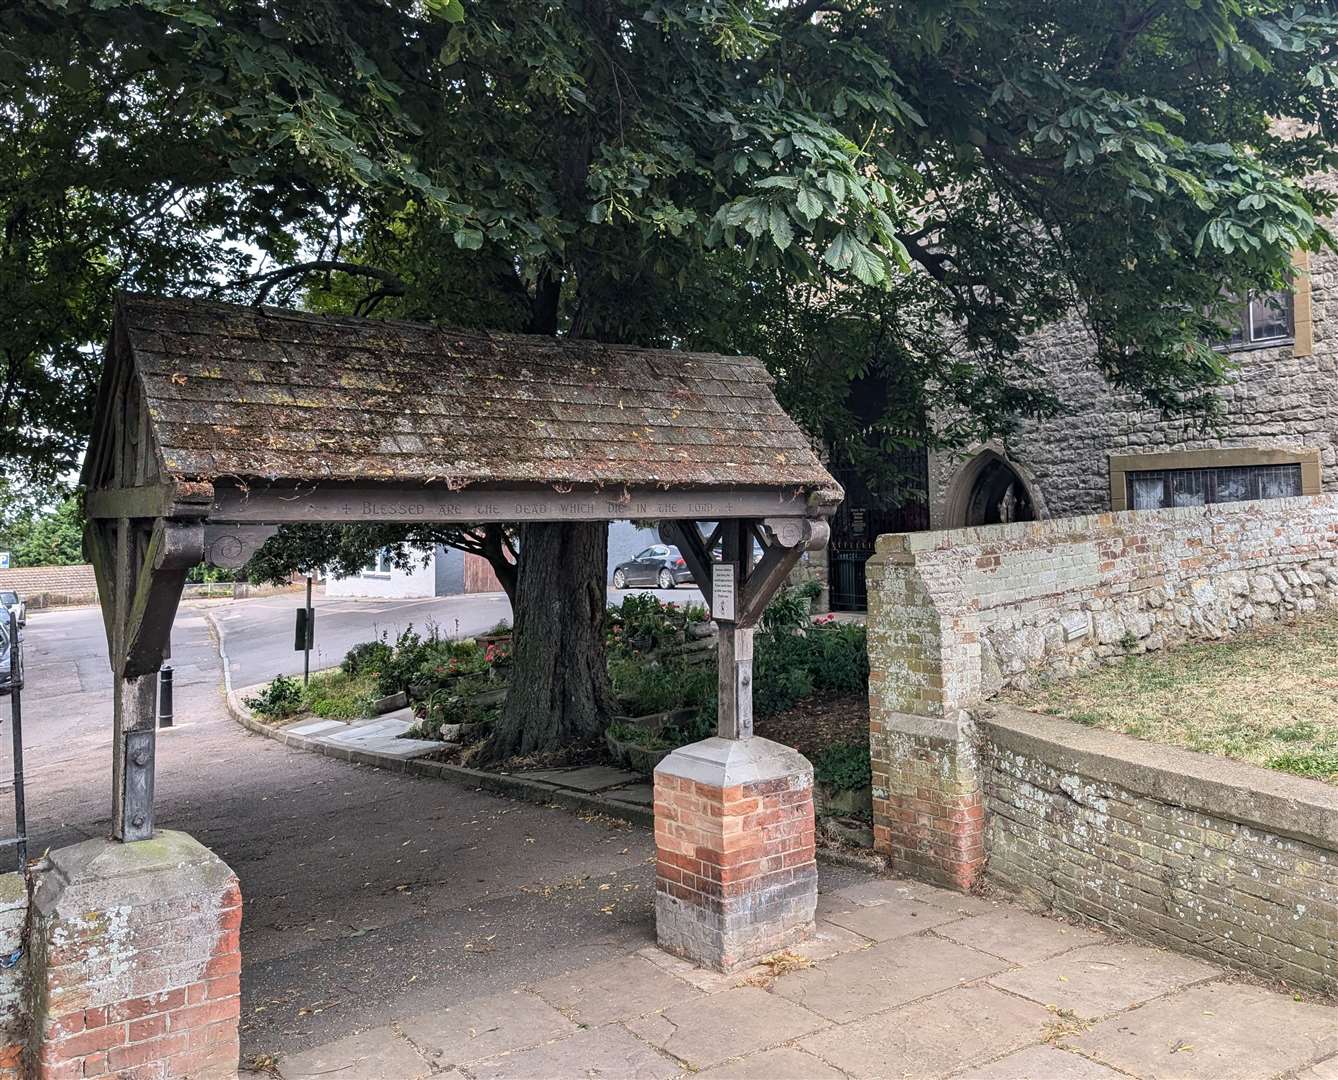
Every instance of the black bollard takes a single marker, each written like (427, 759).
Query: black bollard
(165, 696)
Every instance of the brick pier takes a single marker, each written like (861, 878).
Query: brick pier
(134, 962)
(736, 878)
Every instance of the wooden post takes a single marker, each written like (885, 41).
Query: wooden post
(133, 741)
(735, 696)
(736, 682)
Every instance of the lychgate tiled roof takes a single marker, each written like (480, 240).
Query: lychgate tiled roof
(265, 393)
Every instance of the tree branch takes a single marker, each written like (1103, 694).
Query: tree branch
(391, 285)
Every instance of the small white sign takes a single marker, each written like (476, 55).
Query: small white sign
(722, 592)
(4, 560)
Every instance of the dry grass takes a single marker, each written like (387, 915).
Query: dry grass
(1269, 697)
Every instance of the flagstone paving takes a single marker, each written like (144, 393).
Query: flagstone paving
(901, 981)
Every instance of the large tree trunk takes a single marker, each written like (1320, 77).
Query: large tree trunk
(559, 695)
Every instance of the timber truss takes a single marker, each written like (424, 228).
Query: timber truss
(154, 512)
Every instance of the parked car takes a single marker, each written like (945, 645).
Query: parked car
(11, 661)
(659, 566)
(14, 602)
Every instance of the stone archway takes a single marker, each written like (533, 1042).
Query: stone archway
(990, 490)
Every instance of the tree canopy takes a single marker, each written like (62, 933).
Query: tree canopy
(582, 165)
(881, 197)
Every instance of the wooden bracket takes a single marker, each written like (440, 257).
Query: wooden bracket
(232, 546)
(171, 552)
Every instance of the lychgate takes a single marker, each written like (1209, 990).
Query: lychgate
(217, 424)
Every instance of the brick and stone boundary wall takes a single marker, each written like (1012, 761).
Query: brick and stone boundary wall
(1011, 603)
(956, 616)
(1220, 859)
(52, 586)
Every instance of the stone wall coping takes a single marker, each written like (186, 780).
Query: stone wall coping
(1264, 799)
(169, 864)
(1082, 527)
(731, 762)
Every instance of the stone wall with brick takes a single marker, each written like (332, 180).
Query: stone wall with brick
(51, 586)
(133, 964)
(1014, 603)
(1219, 859)
(955, 616)
(736, 878)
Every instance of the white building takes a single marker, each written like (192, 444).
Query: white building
(450, 572)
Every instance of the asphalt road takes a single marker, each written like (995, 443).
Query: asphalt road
(259, 633)
(368, 894)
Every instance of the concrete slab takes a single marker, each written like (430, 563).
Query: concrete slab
(829, 940)
(1018, 936)
(873, 980)
(726, 1025)
(1221, 1031)
(704, 979)
(316, 727)
(368, 730)
(782, 1063)
(1324, 1070)
(376, 1054)
(392, 746)
(607, 1053)
(486, 1027)
(636, 794)
(883, 890)
(590, 778)
(1041, 1063)
(892, 919)
(932, 1038)
(1102, 979)
(617, 990)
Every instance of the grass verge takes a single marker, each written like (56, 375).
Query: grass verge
(1269, 697)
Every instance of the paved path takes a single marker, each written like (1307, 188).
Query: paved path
(399, 927)
(368, 894)
(901, 981)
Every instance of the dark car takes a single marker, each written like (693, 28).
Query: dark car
(659, 566)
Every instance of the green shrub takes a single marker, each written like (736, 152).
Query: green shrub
(839, 657)
(789, 610)
(643, 688)
(369, 656)
(279, 700)
(844, 767)
(337, 695)
(649, 622)
(406, 659)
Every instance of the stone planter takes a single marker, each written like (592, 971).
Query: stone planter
(641, 759)
(459, 733)
(833, 802)
(390, 703)
(654, 723)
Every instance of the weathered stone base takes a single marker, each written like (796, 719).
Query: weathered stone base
(736, 878)
(928, 806)
(134, 962)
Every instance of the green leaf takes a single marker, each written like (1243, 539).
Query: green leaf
(468, 238)
(782, 232)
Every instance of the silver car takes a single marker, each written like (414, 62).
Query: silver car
(14, 602)
(11, 661)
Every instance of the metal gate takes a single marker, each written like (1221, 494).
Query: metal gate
(863, 517)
